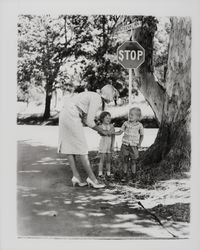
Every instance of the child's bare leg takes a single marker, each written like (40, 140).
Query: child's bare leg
(102, 158)
(126, 160)
(125, 168)
(134, 158)
(108, 163)
(133, 167)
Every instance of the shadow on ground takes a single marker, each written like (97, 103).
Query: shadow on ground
(48, 205)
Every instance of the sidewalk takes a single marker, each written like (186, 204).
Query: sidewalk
(48, 205)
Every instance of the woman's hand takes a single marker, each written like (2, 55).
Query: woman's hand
(99, 130)
(103, 132)
(107, 132)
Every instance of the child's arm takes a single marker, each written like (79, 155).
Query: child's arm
(112, 137)
(100, 130)
(141, 131)
(121, 130)
(140, 140)
(118, 132)
(113, 132)
(112, 142)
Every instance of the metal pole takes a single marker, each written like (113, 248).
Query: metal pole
(130, 79)
(130, 88)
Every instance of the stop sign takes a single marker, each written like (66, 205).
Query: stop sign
(130, 55)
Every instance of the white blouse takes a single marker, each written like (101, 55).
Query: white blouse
(89, 103)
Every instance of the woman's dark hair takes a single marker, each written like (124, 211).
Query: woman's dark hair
(103, 115)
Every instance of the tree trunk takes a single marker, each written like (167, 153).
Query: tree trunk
(47, 111)
(170, 152)
(56, 98)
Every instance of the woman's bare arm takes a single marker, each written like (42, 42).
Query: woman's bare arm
(100, 130)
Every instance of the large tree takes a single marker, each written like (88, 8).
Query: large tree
(170, 101)
(44, 45)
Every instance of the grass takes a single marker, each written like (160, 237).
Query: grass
(37, 119)
(33, 114)
(169, 199)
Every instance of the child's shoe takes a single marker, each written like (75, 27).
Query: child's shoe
(108, 174)
(133, 177)
(124, 178)
(101, 177)
(132, 181)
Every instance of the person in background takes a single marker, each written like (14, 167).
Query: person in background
(106, 144)
(133, 134)
(116, 96)
(77, 112)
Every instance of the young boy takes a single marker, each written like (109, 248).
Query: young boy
(131, 141)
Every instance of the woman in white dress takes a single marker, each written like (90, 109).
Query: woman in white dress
(78, 111)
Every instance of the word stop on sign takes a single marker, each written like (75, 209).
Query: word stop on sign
(130, 55)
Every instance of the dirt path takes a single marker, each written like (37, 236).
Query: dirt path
(48, 205)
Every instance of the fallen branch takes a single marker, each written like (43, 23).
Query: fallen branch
(156, 219)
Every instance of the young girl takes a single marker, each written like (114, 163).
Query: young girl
(131, 141)
(106, 143)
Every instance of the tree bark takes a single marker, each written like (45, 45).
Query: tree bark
(171, 150)
(149, 87)
(152, 91)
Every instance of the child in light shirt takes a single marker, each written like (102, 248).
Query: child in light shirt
(133, 134)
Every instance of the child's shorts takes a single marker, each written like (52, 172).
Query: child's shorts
(129, 151)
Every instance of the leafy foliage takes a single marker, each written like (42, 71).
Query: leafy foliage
(103, 67)
(44, 45)
(55, 51)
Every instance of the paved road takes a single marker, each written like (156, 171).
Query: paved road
(48, 205)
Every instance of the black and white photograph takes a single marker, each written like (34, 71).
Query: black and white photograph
(103, 106)
(104, 126)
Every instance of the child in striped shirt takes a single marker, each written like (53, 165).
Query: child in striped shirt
(133, 134)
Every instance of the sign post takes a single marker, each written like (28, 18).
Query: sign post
(130, 55)
(130, 78)
(130, 88)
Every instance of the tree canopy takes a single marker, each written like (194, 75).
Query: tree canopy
(54, 51)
